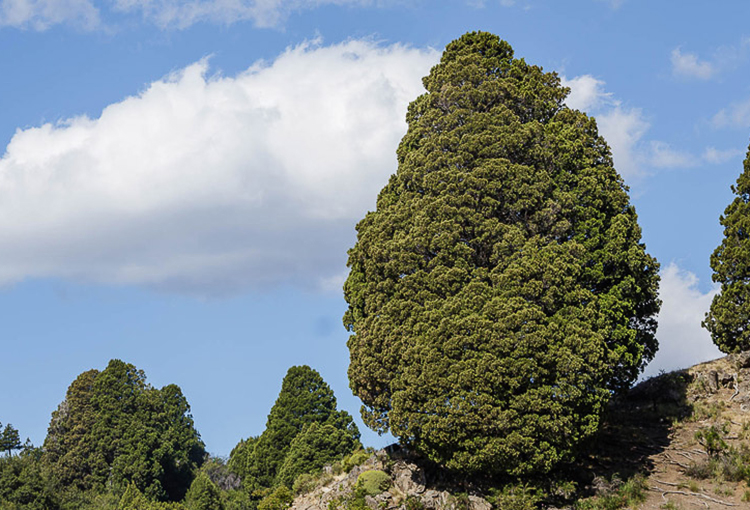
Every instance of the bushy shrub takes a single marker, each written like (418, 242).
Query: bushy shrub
(373, 482)
(279, 499)
(355, 459)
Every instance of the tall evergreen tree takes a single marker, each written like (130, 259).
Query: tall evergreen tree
(9, 439)
(304, 398)
(729, 316)
(500, 293)
(113, 430)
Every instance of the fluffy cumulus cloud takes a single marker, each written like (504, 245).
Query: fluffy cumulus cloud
(41, 14)
(210, 184)
(682, 340)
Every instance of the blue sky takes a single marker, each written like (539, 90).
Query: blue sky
(179, 181)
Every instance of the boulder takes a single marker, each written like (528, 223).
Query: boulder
(408, 477)
(477, 503)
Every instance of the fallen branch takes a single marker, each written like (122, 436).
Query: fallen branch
(671, 460)
(696, 494)
(684, 454)
(669, 483)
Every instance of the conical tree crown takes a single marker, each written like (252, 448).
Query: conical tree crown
(304, 398)
(500, 293)
(729, 316)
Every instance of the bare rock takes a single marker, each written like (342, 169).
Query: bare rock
(477, 503)
(712, 378)
(409, 478)
(371, 502)
(743, 359)
(430, 498)
(726, 379)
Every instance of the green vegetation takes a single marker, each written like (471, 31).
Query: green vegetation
(114, 430)
(626, 495)
(9, 439)
(279, 499)
(203, 494)
(500, 292)
(373, 482)
(313, 448)
(729, 316)
(304, 432)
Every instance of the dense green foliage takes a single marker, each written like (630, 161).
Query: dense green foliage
(729, 316)
(203, 494)
(313, 448)
(304, 399)
(9, 439)
(114, 430)
(279, 499)
(23, 483)
(500, 293)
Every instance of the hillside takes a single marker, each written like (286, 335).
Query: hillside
(676, 441)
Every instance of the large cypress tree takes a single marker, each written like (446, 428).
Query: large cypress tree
(500, 293)
(729, 316)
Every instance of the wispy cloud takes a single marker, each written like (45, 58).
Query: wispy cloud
(262, 13)
(722, 60)
(664, 155)
(716, 156)
(42, 14)
(166, 14)
(209, 185)
(689, 65)
(625, 129)
(736, 115)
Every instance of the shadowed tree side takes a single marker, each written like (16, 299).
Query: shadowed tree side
(500, 292)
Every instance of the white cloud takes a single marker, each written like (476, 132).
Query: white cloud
(623, 128)
(736, 115)
(689, 65)
(209, 184)
(41, 14)
(682, 340)
(664, 156)
(88, 14)
(716, 157)
(586, 92)
(263, 13)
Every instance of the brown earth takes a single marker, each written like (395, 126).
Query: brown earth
(684, 431)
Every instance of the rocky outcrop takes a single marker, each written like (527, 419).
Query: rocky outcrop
(410, 489)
